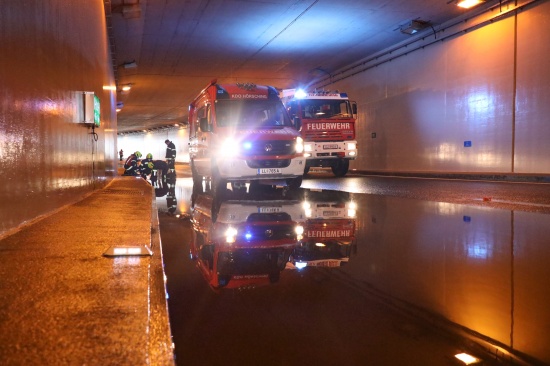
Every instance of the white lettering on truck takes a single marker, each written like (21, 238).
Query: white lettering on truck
(248, 96)
(328, 233)
(329, 126)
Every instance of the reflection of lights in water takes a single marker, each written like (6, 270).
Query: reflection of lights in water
(467, 359)
(230, 235)
(445, 208)
(127, 261)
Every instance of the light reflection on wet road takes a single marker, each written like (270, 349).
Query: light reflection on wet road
(424, 256)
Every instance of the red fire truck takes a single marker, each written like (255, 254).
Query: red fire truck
(241, 133)
(327, 121)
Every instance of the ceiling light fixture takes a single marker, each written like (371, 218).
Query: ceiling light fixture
(127, 87)
(414, 26)
(467, 4)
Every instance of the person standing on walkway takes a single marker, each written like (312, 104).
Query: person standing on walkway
(170, 155)
(121, 154)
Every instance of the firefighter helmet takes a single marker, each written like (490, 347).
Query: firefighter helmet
(138, 154)
(149, 156)
(150, 165)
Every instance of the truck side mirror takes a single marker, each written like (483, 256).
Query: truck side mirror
(298, 123)
(354, 108)
(203, 124)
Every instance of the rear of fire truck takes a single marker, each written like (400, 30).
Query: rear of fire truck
(327, 121)
(241, 133)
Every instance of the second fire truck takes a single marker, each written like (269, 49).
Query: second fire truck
(327, 124)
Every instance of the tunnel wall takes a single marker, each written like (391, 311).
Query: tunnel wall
(52, 51)
(471, 98)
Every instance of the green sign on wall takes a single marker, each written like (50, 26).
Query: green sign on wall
(96, 111)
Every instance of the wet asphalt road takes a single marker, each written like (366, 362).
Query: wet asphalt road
(533, 197)
(373, 310)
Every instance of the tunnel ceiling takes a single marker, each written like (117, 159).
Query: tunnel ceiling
(168, 50)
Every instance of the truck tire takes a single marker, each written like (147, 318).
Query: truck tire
(218, 185)
(294, 183)
(197, 179)
(340, 168)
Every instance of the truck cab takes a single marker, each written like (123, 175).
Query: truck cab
(327, 121)
(241, 133)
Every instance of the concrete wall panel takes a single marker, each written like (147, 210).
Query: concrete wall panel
(51, 51)
(532, 129)
(451, 105)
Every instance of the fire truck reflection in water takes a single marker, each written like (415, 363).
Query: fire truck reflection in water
(245, 242)
(329, 230)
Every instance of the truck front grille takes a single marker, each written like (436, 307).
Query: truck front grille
(275, 147)
(328, 136)
(256, 164)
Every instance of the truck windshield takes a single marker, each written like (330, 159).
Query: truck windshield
(319, 108)
(251, 114)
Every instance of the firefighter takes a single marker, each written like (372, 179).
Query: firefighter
(131, 164)
(170, 154)
(147, 166)
(160, 169)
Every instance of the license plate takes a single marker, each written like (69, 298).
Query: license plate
(327, 263)
(331, 213)
(262, 171)
(331, 146)
(264, 209)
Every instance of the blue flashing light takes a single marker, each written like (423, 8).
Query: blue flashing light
(247, 145)
(300, 94)
(300, 265)
(248, 236)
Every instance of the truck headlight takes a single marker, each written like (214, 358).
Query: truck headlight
(228, 148)
(352, 146)
(299, 145)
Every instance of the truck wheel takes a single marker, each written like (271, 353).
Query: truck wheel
(218, 185)
(340, 168)
(294, 183)
(197, 179)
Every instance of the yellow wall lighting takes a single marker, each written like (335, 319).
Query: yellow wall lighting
(467, 4)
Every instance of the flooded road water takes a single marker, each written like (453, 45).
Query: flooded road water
(322, 277)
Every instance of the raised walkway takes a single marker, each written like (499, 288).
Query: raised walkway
(75, 291)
